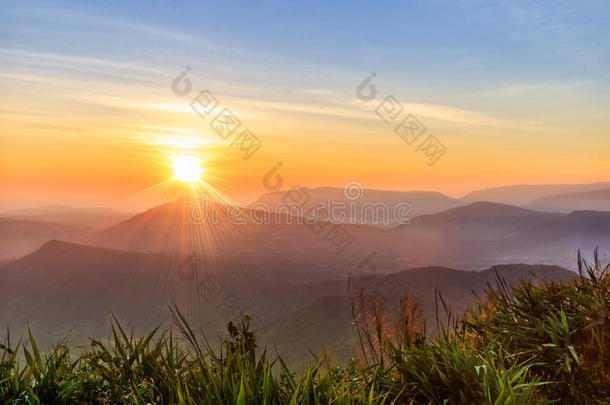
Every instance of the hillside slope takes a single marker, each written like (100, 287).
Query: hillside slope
(597, 200)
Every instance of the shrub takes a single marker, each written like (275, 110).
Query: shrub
(561, 329)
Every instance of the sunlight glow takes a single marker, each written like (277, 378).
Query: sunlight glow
(187, 168)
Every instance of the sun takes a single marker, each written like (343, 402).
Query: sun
(187, 168)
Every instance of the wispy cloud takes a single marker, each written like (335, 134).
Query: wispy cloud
(65, 60)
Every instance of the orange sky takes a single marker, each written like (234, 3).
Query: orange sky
(108, 158)
(88, 116)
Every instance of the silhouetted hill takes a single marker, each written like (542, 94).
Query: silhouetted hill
(178, 227)
(579, 226)
(422, 281)
(161, 228)
(324, 318)
(254, 237)
(597, 200)
(64, 285)
(82, 217)
(481, 221)
(557, 241)
(421, 202)
(525, 194)
(19, 237)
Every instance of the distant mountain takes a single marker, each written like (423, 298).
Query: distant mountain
(158, 229)
(251, 237)
(324, 318)
(524, 194)
(51, 209)
(430, 202)
(473, 236)
(19, 237)
(84, 284)
(289, 240)
(466, 236)
(182, 226)
(557, 241)
(84, 217)
(480, 221)
(185, 226)
(421, 202)
(578, 227)
(597, 200)
(480, 234)
(457, 285)
(592, 224)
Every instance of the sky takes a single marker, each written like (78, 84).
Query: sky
(516, 92)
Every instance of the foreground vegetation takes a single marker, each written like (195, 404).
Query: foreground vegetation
(534, 343)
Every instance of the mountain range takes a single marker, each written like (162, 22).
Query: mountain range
(218, 262)
(65, 286)
(550, 197)
(597, 200)
(522, 195)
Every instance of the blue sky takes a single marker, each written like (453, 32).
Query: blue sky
(503, 58)
(449, 43)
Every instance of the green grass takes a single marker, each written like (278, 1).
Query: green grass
(532, 343)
